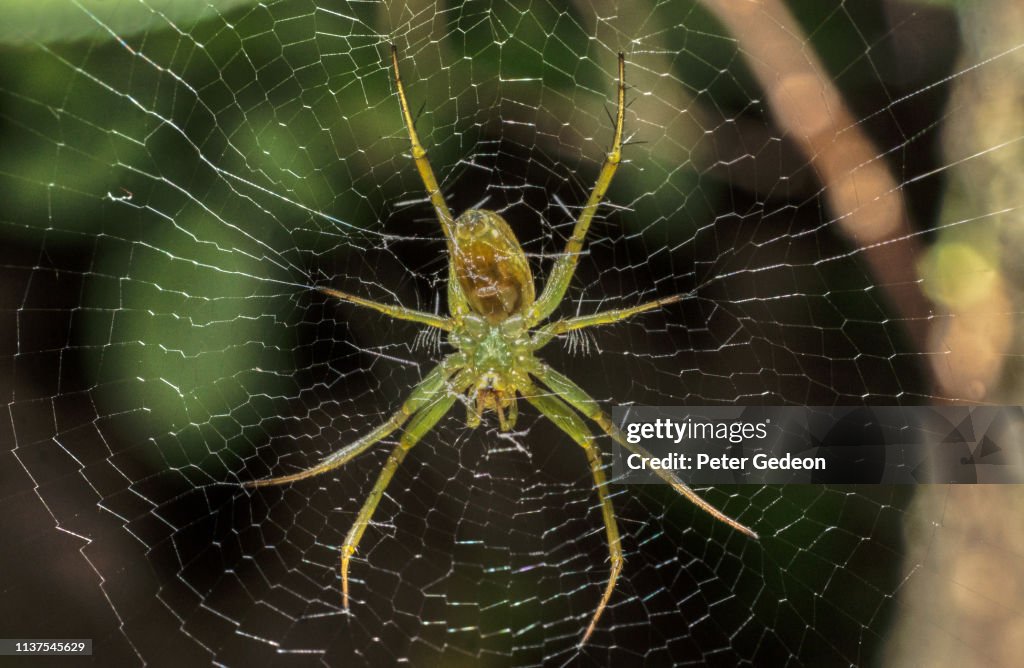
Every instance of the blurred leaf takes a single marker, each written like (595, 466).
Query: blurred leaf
(199, 341)
(29, 21)
(957, 274)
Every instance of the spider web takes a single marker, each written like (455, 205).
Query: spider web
(178, 179)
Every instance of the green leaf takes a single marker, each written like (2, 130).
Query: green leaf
(47, 21)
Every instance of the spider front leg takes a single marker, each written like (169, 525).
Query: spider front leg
(423, 422)
(419, 156)
(457, 303)
(576, 397)
(565, 265)
(429, 389)
(563, 416)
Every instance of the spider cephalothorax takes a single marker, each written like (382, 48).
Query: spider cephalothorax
(495, 325)
(494, 351)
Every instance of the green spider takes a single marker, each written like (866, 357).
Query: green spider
(495, 326)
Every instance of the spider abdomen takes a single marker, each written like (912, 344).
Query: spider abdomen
(491, 266)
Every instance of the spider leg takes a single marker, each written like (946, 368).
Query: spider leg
(429, 389)
(601, 318)
(572, 424)
(565, 265)
(420, 424)
(576, 397)
(399, 312)
(419, 156)
(457, 303)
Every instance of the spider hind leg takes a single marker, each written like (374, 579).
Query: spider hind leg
(420, 424)
(559, 412)
(576, 397)
(428, 390)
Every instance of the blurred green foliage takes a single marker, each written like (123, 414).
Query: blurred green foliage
(49, 21)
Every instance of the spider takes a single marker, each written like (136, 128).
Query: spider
(495, 326)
